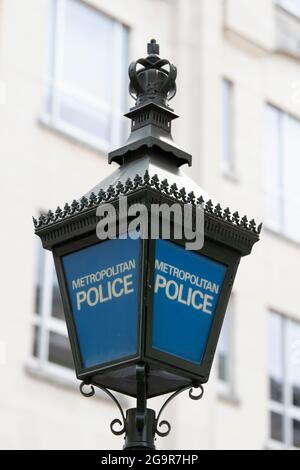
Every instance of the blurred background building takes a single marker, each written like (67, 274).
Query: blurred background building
(63, 90)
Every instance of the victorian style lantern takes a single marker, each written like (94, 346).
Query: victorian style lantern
(144, 314)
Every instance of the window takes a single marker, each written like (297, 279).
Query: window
(284, 380)
(282, 167)
(225, 353)
(292, 6)
(226, 151)
(51, 346)
(87, 64)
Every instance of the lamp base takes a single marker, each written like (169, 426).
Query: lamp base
(140, 429)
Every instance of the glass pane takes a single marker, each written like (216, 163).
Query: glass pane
(291, 171)
(224, 347)
(276, 427)
(226, 127)
(36, 340)
(223, 368)
(103, 285)
(272, 169)
(296, 396)
(275, 356)
(296, 433)
(88, 53)
(276, 390)
(182, 319)
(39, 278)
(59, 350)
(293, 360)
(57, 310)
(82, 116)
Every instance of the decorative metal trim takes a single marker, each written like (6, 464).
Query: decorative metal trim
(139, 182)
(158, 423)
(174, 395)
(105, 390)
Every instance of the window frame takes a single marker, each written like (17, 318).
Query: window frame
(288, 7)
(286, 409)
(54, 84)
(226, 388)
(47, 324)
(227, 154)
(280, 227)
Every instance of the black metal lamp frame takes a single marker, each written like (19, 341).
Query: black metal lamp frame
(225, 253)
(227, 237)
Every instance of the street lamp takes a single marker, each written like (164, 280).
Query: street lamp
(144, 314)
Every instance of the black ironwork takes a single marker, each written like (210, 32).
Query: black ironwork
(140, 421)
(141, 402)
(152, 86)
(111, 395)
(169, 399)
(142, 182)
(140, 424)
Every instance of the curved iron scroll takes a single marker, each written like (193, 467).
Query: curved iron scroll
(158, 423)
(175, 394)
(115, 421)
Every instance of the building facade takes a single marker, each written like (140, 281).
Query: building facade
(63, 91)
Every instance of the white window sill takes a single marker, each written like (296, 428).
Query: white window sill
(230, 176)
(227, 395)
(276, 445)
(63, 377)
(285, 10)
(52, 373)
(229, 399)
(74, 135)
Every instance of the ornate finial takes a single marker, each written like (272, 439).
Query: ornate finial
(153, 47)
(152, 83)
(152, 86)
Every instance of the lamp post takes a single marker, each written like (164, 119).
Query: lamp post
(144, 314)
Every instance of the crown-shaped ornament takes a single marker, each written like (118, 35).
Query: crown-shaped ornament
(153, 82)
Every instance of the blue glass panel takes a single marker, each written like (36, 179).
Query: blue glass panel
(103, 286)
(187, 287)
